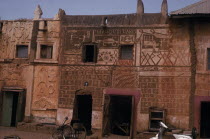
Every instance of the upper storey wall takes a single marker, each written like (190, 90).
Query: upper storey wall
(14, 33)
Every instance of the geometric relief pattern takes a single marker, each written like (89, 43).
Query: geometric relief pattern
(156, 50)
(165, 92)
(123, 79)
(71, 59)
(172, 57)
(107, 56)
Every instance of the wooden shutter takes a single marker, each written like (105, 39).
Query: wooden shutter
(7, 109)
(106, 121)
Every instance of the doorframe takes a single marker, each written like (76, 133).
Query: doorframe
(18, 90)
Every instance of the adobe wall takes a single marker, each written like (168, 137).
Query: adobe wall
(160, 68)
(41, 93)
(46, 74)
(166, 81)
(14, 71)
(202, 92)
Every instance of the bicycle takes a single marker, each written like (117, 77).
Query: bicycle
(65, 131)
(79, 131)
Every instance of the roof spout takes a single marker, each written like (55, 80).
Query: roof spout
(140, 7)
(164, 8)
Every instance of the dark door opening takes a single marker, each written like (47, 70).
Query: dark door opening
(84, 103)
(205, 120)
(120, 115)
(13, 108)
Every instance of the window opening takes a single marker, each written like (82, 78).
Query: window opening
(126, 52)
(46, 52)
(22, 51)
(90, 53)
(157, 115)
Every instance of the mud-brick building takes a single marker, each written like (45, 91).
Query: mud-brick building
(109, 71)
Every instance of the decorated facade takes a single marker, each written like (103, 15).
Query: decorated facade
(108, 70)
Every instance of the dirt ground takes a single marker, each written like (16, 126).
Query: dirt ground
(8, 131)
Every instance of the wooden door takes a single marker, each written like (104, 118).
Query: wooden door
(7, 109)
(21, 107)
(106, 120)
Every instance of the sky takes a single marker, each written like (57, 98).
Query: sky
(16, 9)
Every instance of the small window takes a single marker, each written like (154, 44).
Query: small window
(156, 116)
(208, 64)
(126, 52)
(22, 51)
(90, 53)
(46, 51)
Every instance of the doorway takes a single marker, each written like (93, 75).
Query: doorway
(13, 108)
(205, 120)
(84, 108)
(118, 113)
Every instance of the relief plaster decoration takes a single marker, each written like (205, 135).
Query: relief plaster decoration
(107, 41)
(12, 75)
(74, 39)
(157, 49)
(107, 56)
(125, 78)
(114, 37)
(17, 32)
(45, 88)
(127, 39)
(71, 59)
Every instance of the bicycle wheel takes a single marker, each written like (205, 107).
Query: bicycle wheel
(58, 134)
(79, 131)
(68, 132)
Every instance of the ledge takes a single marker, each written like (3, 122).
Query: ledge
(6, 60)
(47, 61)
